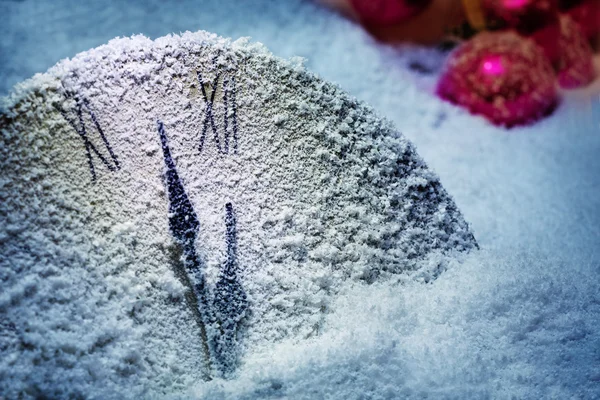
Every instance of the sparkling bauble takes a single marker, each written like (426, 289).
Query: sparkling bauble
(502, 76)
(526, 16)
(586, 13)
(575, 65)
(387, 12)
(535, 18)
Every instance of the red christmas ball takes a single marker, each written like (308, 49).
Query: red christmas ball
(536, 18)
(585, 12)
(575, 65)
(387, 12)
(502, 76)
(526, 16)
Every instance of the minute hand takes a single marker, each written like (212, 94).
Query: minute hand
(185, 226)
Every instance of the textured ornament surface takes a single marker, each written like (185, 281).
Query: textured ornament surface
(388, 12)
(502, 76)
(576, 61)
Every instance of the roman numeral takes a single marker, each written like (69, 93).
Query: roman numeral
(230, 113)
(111, 162)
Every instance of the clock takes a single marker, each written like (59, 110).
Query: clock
(180, 204)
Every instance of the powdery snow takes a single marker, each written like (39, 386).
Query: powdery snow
(519, 318)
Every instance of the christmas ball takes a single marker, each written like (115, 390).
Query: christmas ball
(575, 65)
(502, 76)
(526, 16)
(535, 18)
(586, 13)
(387, 12)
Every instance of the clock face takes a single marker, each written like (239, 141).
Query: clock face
(210, 193)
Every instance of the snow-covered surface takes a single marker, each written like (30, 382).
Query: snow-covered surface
(519, 318)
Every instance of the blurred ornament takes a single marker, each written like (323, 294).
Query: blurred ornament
(535, 18)
(586, 13)
(387, 12)
(526, 16)
(502, 76)
(575, 65)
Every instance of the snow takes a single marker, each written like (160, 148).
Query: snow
(517, 319)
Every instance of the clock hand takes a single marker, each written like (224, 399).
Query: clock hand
(230, 303)
(184, 226)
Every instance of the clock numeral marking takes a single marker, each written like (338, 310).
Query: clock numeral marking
(229, 304)
(208, 113)
(111, 164)
(229, 88)
(229, 102)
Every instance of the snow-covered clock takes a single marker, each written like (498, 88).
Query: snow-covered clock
(186, 201)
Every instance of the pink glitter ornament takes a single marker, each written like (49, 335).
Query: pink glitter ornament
(387, 12)
(502, 76)
(586, 13)
(535, 18)
(526, 16)
(575, 65)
